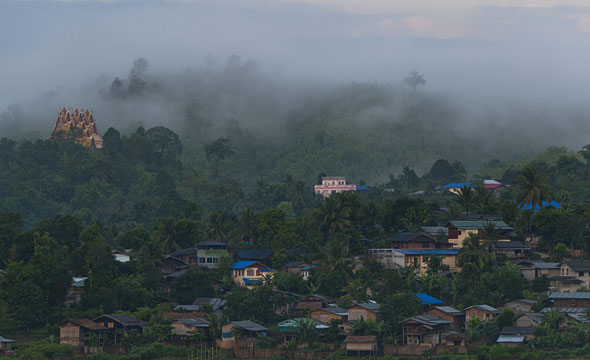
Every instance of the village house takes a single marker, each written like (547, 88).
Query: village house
(185, 328)
(460, 230)
(366, 345)
(250, 329)
(519, 306)
(578, 269)
(187, 256)
(365, 311)
(326, 315)
(530, 319)
(6, 347)
(528, 332)
(423, 329)
(210, 252)
(118, 324)
(455, 317)
(312, 302)
(74, 295)
(511, 340)
(171, 264)
(570, 299)
(510, 249)
(333, 185)
(456, 187)
(121, 256)
(481, 312)
(416, 241)
(299, 268)
(566, 284)
(177, 315)
(534, 269)
(291, 328)
(418, 258)
(82, 333)
(213, 305)
(250, 273)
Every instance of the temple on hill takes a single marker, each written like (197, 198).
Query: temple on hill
(68, 120)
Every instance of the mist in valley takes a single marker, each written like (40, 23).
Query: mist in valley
(304, 87)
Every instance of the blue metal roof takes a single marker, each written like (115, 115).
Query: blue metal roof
(309, 267)
(428, 300)
(555, 204)
(242, 264)
(427, 251)
(363, 188)
(457, 185)
(251, 282)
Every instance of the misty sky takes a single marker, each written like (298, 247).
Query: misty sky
(538, 50)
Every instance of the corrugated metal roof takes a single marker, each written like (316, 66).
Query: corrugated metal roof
(568, 295)
(517, 330)
(428, 320)
(579, 266)
(427, 251)
(369, 306)
(5, 340)
(428, 300)
(449, 310)
(568, 310)
(510, 339)
(243, 264)
(196, 322)
(484, 307)
(249, 325)
(458, 185)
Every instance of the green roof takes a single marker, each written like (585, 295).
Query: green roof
(292, 325)
(479, 224)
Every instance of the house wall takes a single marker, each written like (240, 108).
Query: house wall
(457, 322)
(358, 312)
(477, 313)
(324, 316)
(179, 328)
(209, 258)
(461, 234)
(519, 307)
(239, 275)
(524, 321)
(69, 334)
(565, 270)
(420, 261)
(576, 303)
(372, 346)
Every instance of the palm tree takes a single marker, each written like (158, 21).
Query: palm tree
(165, 235)
(489, 232)
(333, 216)
(217, 228)
(532, 189)
(474, 251)
(483, 199)
(465, 198)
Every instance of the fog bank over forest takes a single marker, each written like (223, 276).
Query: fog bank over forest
(308, 79)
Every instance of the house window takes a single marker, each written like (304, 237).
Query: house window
(202, 260)
(215, 260)
(209, 260)
(425, 244)
(250, 272)
(581, 273)
(567, 271)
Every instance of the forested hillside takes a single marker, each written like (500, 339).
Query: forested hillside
(277, 125)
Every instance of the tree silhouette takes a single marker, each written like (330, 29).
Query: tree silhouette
(532, 189)
(465, 198)
(415, 79)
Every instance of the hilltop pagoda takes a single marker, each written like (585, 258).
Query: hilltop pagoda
(80, 122)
